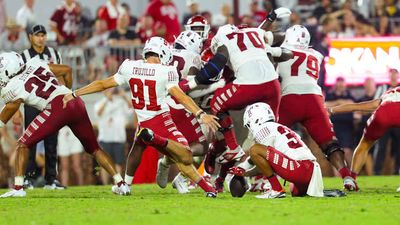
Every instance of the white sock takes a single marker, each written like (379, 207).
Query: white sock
(19, 181)
(117, 178)
(128, 179)
(164, 162)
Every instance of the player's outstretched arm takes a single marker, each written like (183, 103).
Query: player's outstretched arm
(368, 106)
(189, 104)
(8, 111)
(63, 74)
(95, 86)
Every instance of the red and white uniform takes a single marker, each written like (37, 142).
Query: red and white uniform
(38, 87)
(185, 121)
(166, 14)
(289, 157)
(302, 100)
(149, 85)
(66, 20)
(385, 116)
(110, 14)
(256, 78)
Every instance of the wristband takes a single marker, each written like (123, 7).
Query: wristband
(330, 110)
(199, 113)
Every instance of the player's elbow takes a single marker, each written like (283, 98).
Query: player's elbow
(211, 69)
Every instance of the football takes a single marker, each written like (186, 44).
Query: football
(238, 186)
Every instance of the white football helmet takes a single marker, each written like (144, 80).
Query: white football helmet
(298, 36)
(159, 46)
(257, 114)
(199, 25)
(190, 40)
(222, 31)
(10, 64)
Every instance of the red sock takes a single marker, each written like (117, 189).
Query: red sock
(345, 172)
(273, 180)
(18, 187)
(229, 133)
(353, 175)
(205, 186)
(159, 141)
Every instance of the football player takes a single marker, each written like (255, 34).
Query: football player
(151, 80)
(385, 115)
(302, 100)
(35, 84)
(278, 151)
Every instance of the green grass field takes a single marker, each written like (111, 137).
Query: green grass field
(377, 203)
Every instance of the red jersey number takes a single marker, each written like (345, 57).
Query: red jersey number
(39, 81)
(293, 140)
(137, 89)
(179, 63)
(312, 64)
(253, 37)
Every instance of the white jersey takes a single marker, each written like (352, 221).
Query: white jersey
(183, 60)
(149, 85)
(300, 74)
(392, 95)
(247, 56)
(36, 85)
(282, 139)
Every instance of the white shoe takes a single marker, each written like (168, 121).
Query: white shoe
(181, 184)
(56, 185)
(398, 189)
(14, 193)
(162, 174)
(350, 184)
(229, 155)
(271, 194)
(122, 189)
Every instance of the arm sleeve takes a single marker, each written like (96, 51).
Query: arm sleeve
(55, 18)
(122, 76)
(173, 78)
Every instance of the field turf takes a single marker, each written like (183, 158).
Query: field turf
(377, 203)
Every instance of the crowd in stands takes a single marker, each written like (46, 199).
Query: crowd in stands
(112, 33)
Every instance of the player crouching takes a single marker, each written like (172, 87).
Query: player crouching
(278, 151)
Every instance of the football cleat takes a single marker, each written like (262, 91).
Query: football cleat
(398, 189)
(180, 183)
(230, 155)
(211, 195)
(219, 184)
(350, 184)
(162, 174)
(56, 185)
(260, 183)
(145, 134)
(28, 184)
(121, 188)
(14, 193)
(209, 163)
(272, 194)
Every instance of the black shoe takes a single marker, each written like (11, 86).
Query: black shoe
(56, 185)
(145, 134)
(28, 184)
(211, 195)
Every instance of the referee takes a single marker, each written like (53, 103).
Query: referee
(38, 38)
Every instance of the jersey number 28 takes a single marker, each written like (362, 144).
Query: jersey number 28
(41, 78)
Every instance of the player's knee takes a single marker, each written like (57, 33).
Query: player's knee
(332, 147)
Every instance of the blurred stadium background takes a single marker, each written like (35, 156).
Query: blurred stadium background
(358, 37)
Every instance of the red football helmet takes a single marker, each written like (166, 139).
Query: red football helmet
(199, 25)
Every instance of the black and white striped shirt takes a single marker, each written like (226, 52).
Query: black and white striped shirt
(50, 55)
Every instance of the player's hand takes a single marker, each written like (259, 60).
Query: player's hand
(66, 99)
(330, 111)
(210, 121)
